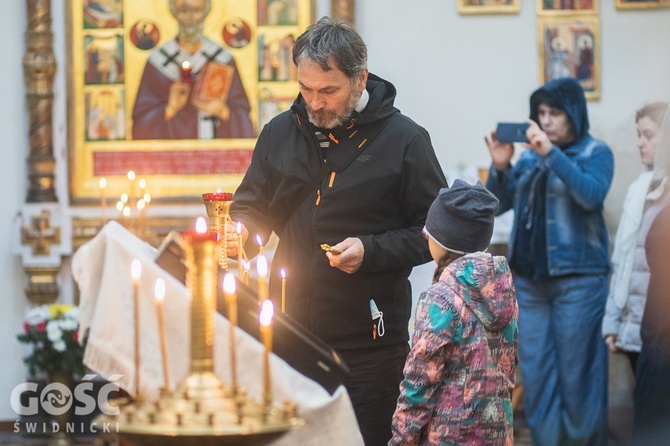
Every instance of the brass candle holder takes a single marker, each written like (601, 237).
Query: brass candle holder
(203, 411)
(218, 210)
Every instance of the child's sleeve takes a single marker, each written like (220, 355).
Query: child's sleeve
(435, 324)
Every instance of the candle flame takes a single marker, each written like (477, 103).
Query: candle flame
(267, 313)
(126, 211)
(200, 225)
(147, 198)
(124, 197)
(218, 191)
(103, 182)
(140, 204)
(186, 65)
(259, 240)
(229, 284)
(131, 175)
(238, 227)
(119, 206)
(159, 289)
(136, 270)
(142, 183)
(282, 273)
(262, 266)
(246, 265)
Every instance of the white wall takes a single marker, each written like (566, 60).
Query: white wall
(456, 75)
(13, 162)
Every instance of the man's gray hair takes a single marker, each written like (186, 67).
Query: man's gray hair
(332, 41)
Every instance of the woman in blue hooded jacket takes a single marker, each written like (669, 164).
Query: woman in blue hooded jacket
(559, 255)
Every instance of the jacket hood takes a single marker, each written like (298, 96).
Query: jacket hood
(380, 105)
(486, 288)
(570, 95)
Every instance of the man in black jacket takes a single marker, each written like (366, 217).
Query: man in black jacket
(344, 167)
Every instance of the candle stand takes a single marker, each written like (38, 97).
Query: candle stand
(218, 210)
(202, 411)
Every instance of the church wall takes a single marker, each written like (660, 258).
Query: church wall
(14, 152)
(456, 76)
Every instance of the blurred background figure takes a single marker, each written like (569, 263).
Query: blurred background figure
(652, 387)
(630, 272)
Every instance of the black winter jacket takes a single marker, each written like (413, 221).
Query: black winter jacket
(382, 197)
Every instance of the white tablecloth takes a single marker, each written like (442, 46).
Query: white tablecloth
(101, 268)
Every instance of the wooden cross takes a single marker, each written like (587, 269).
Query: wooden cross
(40, 235)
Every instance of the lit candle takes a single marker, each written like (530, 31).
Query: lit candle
(259, 240)
(136, 273)
(282, 274)
(231, 300)
(159, 294)
(265, 317)
(246, 266)
(262, 270)
(186, 72)
(201, 232)
(103, 199)
(202, 278)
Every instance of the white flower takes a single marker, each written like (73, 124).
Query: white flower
(59, 345)
(69, 324)
(54, 332)
(38, 314)
(72, 313)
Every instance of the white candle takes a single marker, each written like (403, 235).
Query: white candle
(246, 267)
(265, 317)
(231, 300)
(282, 274)
(136, 274)
(259, 241)
(159, 294)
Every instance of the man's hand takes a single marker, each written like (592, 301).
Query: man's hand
(232, 238)
(351, 256)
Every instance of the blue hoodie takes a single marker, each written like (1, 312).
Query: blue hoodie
(558, 199)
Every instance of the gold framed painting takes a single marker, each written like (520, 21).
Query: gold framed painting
(642, 4)
(488, 6)
(570, 47)
(567, 7)
(178, 101)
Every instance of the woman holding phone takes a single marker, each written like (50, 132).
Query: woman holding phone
(559, 255)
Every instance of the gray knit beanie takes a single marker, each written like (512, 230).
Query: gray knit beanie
(461, 217)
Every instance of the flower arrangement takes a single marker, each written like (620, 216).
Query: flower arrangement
(53, 332)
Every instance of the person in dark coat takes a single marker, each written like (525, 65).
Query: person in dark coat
(344, 167)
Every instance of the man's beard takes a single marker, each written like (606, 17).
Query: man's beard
(329, 119)
(191, 33)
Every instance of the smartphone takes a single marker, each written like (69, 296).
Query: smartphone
(512, 131)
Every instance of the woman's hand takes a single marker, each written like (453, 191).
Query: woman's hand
(501, 152)
(610, 340)
(538, 141)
